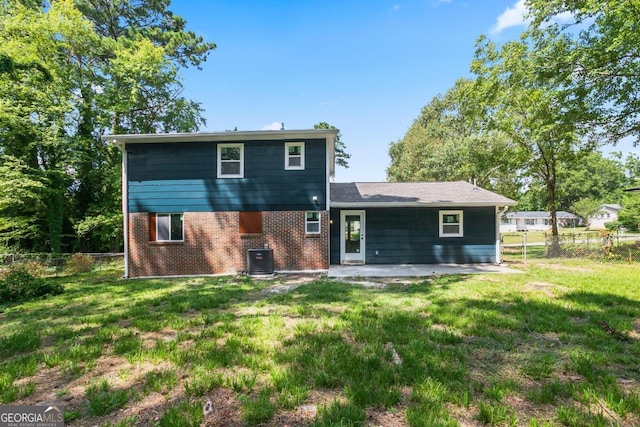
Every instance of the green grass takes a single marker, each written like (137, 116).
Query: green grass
(520, 349)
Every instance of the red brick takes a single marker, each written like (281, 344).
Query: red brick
(213, 244)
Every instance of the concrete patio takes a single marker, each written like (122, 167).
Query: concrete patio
(414, 270)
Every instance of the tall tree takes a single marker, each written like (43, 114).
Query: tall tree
(603, 55)
(66, 78)
(139, 91)
(342, 157)
(595, 177)
(448, 142)
(538, 109)
(37, 97)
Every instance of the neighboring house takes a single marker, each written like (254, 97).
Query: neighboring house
(606, 213)
(536, 221)
(196, 203)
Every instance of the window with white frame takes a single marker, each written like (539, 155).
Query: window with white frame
(230, 160)
(312, 222)
(169, 227)
(451, 224)
(294, 155)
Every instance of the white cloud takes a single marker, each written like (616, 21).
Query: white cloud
(513, 16)
(272, 126)
(395, 7)
(437, 2)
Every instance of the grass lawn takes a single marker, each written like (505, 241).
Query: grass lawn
(558, 344)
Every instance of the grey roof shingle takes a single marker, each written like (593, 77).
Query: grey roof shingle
(456, 193)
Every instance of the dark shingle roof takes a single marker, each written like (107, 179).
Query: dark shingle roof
(457, 193)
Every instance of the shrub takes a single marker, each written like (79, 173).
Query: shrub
(79, 263)
(22, 286)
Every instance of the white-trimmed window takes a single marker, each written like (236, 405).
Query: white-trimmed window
(294, 155)
(231, 160)
(451, 224)
(312, 222)
(169, 227)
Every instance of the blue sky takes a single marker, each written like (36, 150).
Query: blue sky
(364, 66)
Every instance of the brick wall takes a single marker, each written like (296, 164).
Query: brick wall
(213, 244)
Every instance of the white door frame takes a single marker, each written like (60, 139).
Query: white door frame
(352, 258)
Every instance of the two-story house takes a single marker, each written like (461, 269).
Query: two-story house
(196, 203)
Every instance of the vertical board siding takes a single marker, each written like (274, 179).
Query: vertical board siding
(182, 177)
(410, 236)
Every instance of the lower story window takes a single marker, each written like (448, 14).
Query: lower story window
(451, 224)
(166, 227)
(312, 222)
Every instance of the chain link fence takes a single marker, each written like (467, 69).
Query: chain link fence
(54, 262)
(596, 245)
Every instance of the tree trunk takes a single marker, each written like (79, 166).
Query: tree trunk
(554, 248)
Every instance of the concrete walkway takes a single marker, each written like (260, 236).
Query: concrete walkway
(414, 270)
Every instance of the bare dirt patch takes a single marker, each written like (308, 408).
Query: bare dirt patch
(549, 290)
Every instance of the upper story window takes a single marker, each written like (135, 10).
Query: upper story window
(451, 224)
(294, 155)
(230, 160)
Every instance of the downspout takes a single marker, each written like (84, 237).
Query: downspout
(331, 146)
(125, 205)
(498, 221)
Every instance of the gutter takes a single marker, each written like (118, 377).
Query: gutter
(499, 214)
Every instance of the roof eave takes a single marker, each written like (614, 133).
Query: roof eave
(355, 205)
(266, 135)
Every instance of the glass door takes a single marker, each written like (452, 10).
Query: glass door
(353, 237)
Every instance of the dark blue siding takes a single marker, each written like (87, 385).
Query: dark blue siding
(410, 236)
(182, 177)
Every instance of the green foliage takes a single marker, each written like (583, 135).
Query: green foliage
(586, 208)
(185, 414)
(603, 44)
(447, 143)
(258, 410)
(71, 71)
(22, 286)
(339, 414)
(595, 177)
(104, 231)
(496, 415)
(21, 200)
(503, 348)
(539, 111)
(341, 156)
(79, 263)
(102, 399)
(629, 215)
(19, 342)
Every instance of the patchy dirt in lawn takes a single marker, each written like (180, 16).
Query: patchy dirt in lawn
(549, 290)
